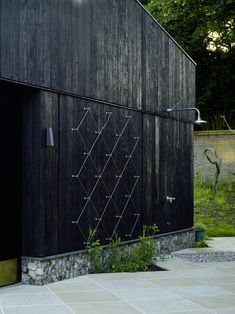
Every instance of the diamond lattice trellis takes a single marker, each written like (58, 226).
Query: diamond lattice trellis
(109, 175)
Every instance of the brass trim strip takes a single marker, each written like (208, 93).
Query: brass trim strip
(8, 272)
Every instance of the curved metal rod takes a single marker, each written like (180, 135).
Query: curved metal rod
(197, 121)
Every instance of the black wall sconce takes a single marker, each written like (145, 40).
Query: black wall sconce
(49, 137)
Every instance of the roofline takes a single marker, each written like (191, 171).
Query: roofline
(165, 32)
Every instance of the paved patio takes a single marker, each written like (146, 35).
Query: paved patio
(186, 288)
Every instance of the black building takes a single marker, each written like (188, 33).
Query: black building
(86, 141)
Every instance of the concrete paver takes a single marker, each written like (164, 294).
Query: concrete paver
(195, 288)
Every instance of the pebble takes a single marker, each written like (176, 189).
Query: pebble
(207, 257)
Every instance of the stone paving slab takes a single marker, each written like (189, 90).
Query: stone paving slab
(187, 287)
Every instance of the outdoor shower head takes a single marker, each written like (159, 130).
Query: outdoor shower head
(198, 121)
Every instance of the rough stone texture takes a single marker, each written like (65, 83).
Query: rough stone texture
(40, 272)
(203, 257)
(56, 268)
(175, 242)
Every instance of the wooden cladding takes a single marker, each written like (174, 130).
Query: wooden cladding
(110, 169)
(105, 49)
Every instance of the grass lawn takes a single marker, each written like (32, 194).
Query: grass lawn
(216, 213)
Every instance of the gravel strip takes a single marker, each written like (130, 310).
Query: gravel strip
(205, 257)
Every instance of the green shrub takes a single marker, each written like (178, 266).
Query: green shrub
(201, 244)
(123, 258)
(94, 251)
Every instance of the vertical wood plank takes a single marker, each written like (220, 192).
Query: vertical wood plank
(143, 57)
(68, 45)
(31, 58)
(114, 57)
(23, 40)
(75, 49)
(49, 175)
(39, 43)
(123, 76)
(87, 46)
(149, 171)
(55, 48)
(82, 37)
(137, 66)
(93, 54)
(47, 57)
(110, 50)
(70, 199)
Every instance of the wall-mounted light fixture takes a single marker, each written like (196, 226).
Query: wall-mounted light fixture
(49, 137)
(197, 121)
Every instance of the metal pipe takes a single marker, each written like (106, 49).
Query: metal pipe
(197, 121)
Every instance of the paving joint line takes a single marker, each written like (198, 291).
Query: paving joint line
(53, 293)
(110, 291)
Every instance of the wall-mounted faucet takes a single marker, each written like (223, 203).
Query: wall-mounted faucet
(170, 199)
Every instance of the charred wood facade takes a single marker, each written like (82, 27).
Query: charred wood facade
(100, 74)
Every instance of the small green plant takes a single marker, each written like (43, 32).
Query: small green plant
(141, 256)
(94, 251)
(113, 257)
(123, 258)
(201, 244)
(200, 226)
(165, 256)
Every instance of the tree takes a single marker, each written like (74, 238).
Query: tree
(206, 31)
(144, 2)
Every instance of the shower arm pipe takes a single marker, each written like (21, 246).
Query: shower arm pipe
(198, 119)
(182, 109)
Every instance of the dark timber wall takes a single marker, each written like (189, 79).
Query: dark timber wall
(103, 73)
(105, 49)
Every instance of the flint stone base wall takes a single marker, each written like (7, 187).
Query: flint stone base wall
(41, 271)
(44, 271)
(175, 241)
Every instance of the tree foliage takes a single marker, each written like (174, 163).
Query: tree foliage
(206, 31)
